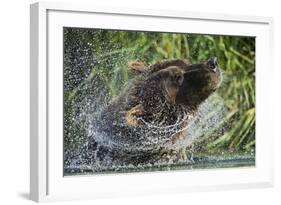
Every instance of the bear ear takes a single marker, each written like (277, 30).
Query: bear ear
(170, 85)
(137, 66)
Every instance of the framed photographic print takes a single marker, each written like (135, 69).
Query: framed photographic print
(141, 101)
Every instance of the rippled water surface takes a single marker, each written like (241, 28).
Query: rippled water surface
(210, 162)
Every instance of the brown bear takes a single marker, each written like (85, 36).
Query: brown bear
(147, 121)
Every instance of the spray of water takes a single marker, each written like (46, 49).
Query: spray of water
(94, 153)
(89, 97)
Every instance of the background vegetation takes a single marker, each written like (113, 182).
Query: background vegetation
(105, 54)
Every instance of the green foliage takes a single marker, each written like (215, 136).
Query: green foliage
(236, 56)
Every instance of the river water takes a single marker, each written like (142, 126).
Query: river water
(207, 162)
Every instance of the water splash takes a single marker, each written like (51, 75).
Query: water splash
(93, 153)
(87, 96)
(210, 117)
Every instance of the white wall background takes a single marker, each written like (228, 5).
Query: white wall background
(14, 101)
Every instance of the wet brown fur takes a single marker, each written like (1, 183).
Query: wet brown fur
(174, 84)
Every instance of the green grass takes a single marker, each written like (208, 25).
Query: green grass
(114, 49)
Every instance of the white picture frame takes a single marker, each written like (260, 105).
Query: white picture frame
(46, 175)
